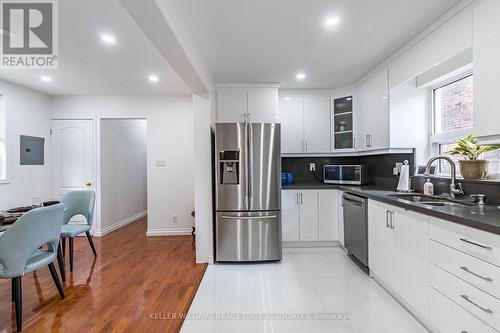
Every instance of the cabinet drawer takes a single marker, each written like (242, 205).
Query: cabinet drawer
(472, 299)
(477, 272)
(477, 243)
(448, 317)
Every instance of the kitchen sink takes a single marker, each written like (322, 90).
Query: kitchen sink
(431, 201)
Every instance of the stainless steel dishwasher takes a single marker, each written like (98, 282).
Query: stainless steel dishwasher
(356, 226)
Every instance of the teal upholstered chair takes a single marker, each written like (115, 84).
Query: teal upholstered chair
(77, 203)
(21, 249)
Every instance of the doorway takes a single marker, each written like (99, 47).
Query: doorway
(123, 172)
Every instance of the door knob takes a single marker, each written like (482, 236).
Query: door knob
(88, 184)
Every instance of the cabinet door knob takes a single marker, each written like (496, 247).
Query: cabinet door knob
(88, 184)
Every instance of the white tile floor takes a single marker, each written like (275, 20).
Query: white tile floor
(305, 283)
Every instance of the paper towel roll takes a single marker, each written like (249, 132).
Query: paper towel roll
(404, 178)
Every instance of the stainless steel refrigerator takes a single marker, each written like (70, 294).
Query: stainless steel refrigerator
(248, 192)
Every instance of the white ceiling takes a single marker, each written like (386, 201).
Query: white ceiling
(272, 40)
(89, 67)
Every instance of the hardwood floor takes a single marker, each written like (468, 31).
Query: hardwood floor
(132, 286)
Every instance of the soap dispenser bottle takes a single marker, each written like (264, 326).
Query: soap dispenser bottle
(428, 187)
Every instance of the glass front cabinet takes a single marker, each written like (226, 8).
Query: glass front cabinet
(343, 123)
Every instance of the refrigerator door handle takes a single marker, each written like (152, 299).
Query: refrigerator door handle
(250, 162)
(266, 217)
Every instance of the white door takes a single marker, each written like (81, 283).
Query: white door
(380, 242)
(317, 124)
(328, 215)
(291, 119)
(486, 28)
(373, 111)
(290, 215)
(309, 215)
(411, 257)
(231, 106)
(263, 105)
(72, 156)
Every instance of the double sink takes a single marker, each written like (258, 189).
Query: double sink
(435, 201)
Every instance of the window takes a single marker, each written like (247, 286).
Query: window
(453, 106)
(3, 149)
(453, 118)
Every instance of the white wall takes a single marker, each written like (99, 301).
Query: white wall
(123, 172)
(169, 142)
(27, 113)
(203, 179)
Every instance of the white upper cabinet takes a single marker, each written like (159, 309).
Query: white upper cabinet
(317, 124)
(486, 27)
(231, 106)
(255, 103)
(373, 107)
(291, 119)
(263, 105)
(305, 123)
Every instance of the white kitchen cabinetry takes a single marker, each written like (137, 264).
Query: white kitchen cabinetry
(290, 215)
(305, 123)
(317, 124)
(254, 104)
(328, 215)
(399, 253)
(263, 105)
(231, 106)
(291, 117)
(373, 105)
(310, 215)
(486, 46)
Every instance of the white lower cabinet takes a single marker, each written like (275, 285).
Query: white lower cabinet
(448, 317)
(445, 273)
(309, 215)
(399, 253)
(328, 215)
(290, 212)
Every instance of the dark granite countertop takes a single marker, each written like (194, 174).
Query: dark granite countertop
(486, 218)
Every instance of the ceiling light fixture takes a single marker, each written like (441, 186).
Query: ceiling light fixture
(300, 76)
(332, 21)
(287, 98)
(108, 39)
(153, 78)
(46, 78)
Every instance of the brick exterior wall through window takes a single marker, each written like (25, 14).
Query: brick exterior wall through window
(453, 110)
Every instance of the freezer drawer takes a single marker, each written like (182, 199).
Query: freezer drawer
(245, 236)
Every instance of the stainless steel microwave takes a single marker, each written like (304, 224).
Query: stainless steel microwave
(345, 174)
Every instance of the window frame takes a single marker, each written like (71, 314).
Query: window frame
(5, 139)
(437, 139)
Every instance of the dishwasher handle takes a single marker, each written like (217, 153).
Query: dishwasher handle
(353, 201)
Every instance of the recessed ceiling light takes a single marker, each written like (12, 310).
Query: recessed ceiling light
(332, 21)
(46, 78)
(300, 76)
(287, 98)
(385, 97)
(108, 39)
(153, 78)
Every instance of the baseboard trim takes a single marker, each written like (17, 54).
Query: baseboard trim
(170, 231)
(312, 244)
(120, 224)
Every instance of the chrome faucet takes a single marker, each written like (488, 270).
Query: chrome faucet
(454, 191)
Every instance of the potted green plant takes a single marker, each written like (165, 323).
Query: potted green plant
(471, 166)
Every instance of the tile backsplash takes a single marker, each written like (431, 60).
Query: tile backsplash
(379, 167)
